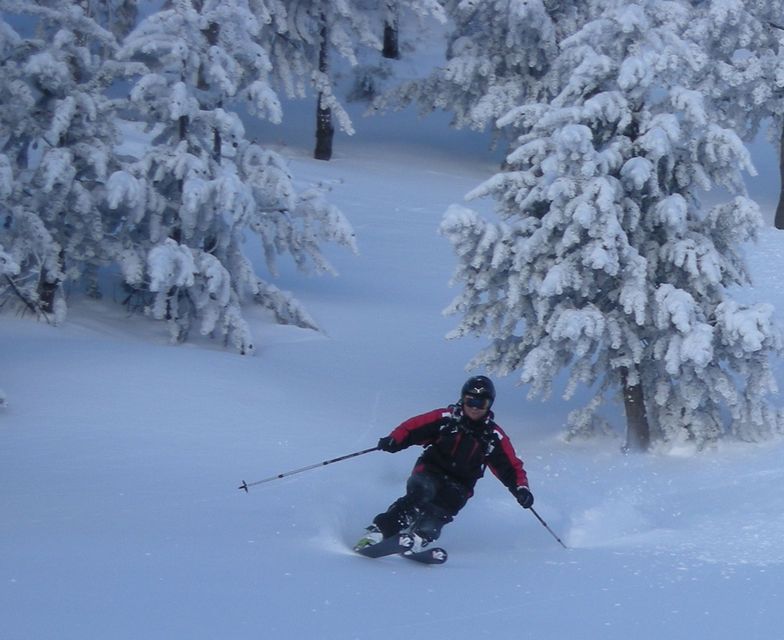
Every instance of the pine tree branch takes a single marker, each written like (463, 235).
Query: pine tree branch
(30, 306)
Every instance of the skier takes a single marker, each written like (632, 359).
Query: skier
(460, 441)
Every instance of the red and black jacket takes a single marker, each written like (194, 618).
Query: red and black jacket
(462, 448)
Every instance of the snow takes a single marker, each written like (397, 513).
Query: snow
(120, 458)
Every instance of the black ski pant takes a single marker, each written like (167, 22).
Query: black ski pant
(432, 500)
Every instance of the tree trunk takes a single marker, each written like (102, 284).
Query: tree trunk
(217, 145)
(324, 132)
(779, 220)
(324, 129)
(47, 291)
(391, 48)
(183, 127)
(638, 434)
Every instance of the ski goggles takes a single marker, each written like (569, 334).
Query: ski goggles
(476, 402)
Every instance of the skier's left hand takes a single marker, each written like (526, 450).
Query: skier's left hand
(524, 497)
(389, 444)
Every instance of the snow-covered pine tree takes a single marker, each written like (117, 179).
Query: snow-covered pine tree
(119, 16)
(391, 13)
(57, 148)
(498, 55)
(606, 263)
(300, 46)
(744, 73)
(412, 31)
(185, 207)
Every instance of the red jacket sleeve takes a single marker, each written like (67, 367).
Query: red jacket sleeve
(505, 464)
(421, 429)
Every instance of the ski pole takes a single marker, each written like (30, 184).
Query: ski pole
(245, 485)
(544, 524)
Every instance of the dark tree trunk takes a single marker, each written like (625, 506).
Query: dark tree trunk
(46, 294)
(47, 290)
(324, 132)
(212, 32)
(638, 434)
(183, 127)
(176, 232)
(324, 129)
(216, 145)
(212, 35)
(391, 48)
(779, 220)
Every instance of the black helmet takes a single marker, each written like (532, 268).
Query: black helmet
(480, 386)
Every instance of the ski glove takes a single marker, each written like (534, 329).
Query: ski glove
(389, 444)
(524, 497)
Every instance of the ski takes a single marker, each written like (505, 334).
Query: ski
(387, 547)
(401, 545)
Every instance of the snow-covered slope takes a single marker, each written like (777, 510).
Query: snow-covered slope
(120, 457)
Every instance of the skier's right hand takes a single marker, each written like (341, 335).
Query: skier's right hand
(389, 444)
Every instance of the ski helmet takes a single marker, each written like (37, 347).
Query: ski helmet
(481, 387)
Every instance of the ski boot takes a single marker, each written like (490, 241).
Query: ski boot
(372, 536)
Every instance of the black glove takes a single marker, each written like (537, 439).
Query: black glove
(389, 444)
(524, 497)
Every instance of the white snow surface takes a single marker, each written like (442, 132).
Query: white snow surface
(120, 458)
